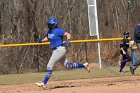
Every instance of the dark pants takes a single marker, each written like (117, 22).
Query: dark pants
(126, 58)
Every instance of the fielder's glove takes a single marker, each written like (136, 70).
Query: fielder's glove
(67, 43)
(131, 43)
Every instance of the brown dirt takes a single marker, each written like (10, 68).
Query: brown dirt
(122, 84)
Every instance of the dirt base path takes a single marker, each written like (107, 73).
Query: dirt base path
(125, 84)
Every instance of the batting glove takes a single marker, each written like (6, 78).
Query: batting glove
(67, 43)
(39, 41)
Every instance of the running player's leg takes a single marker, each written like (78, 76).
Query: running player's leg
(126, 58)
(134, 66)
(74, 65)
(56, 55)
(123, 62)
(136, 62)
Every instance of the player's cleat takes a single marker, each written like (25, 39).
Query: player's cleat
(132, 70)
(40, 84)
(121, 72)
(86, 67)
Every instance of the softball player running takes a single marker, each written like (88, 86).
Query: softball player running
(124, 46)
(55, 36)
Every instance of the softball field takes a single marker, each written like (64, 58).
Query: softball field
(76, 81)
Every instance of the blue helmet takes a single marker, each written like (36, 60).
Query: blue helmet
(53, 21)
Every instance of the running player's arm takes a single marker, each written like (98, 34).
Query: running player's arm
(45, 39)
(123, 50)
(121, 47)
(67, 35)
(46, 36)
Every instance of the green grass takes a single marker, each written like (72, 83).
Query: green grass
(63, 75)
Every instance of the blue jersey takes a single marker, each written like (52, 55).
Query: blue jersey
(55, 37)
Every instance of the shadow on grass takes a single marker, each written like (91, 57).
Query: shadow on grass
(62, 86)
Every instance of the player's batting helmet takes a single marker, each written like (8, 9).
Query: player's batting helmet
(53, 21)
(126, 34)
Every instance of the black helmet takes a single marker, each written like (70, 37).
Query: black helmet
(126, 34)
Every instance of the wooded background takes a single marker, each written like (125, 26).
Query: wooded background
(22, 21)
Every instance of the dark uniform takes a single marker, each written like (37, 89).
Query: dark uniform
(124, 46)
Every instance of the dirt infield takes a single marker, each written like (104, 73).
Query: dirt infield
(122, 84)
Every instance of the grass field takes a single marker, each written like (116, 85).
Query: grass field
(64, 75)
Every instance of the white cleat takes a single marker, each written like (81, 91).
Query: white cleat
(86, 67)
(40, 84)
